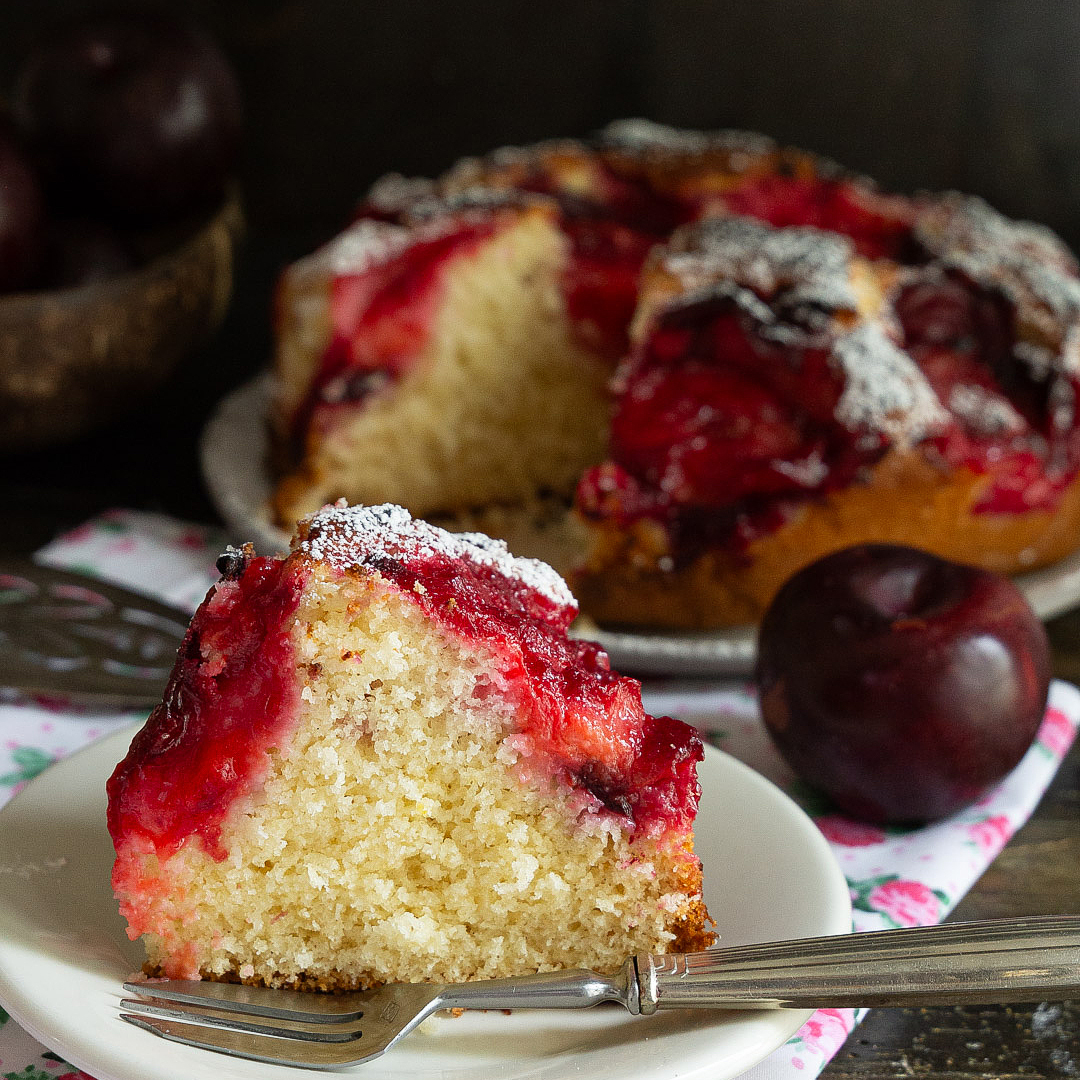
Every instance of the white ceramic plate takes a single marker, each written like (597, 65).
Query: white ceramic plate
(63, 951)
(234, 455)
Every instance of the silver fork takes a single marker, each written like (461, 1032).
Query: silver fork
(1006, 960)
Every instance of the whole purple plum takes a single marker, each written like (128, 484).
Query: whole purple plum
(137, 113)
(22, 221)
(900, 684)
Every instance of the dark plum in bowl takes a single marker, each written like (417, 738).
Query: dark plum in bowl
(901, 685)
(137, 113)
(22, 216)
(120, 217)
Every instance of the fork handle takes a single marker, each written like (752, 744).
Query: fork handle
(1004, 960)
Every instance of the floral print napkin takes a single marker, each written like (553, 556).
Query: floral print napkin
(898, 877)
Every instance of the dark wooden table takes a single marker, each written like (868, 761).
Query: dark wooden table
(149, 461)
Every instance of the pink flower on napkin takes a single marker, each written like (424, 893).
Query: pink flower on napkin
(826, 1030)
(991, 834)
(902, 902)
(1056, 733)
(80, 534)
(841, 830)
(824, 1033)
(123, 545)
(191, 540)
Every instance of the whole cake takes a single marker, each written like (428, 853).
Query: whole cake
(683, 365)
(380, 758)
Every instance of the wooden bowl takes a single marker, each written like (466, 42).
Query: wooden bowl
(73, 359)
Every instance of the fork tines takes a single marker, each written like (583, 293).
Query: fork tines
(206, 1016)
(268, 1049)
(282, 1027)
(256, 1000)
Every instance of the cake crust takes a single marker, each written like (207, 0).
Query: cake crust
(906, 501)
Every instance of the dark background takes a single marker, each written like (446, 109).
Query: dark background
(980, 95)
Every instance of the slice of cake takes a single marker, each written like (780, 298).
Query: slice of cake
(430, 360)
(380, 758)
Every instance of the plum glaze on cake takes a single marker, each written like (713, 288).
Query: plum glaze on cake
(782, 394)
(380, 758)
(715, 360)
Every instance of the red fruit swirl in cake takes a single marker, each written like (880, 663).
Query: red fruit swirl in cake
(878, 226)
(586, 724)
(381, 310)
(232, 693)
(611, 232)
(383, 295)
(645, 181)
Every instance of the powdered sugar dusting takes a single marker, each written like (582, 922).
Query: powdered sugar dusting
(510, 164)
(647, 138)
(473, 200)
(809, 266)
(984, 412)
(342, 536)
(956, 224)
(518, 156)
(369, 243)
(361, 246)
(413, 201)
(884, 390)
(393, 193)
